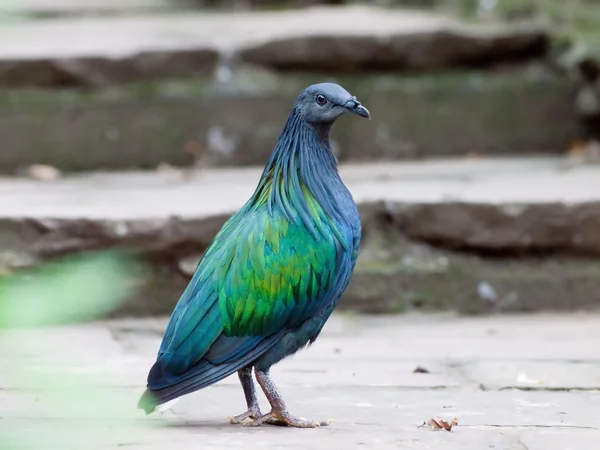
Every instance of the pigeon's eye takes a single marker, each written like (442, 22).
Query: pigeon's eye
(321, 100)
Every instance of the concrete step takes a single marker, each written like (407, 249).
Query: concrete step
(470, 235)
(237, 122)
(114, 50)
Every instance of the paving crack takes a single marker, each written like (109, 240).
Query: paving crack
(542, 389)
(521, 444)
(579, 427)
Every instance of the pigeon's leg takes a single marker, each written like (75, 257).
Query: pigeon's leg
(253, 412)
(279, 414)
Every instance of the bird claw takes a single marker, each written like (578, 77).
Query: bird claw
(285, 419)
(247, 422)
(249, 415)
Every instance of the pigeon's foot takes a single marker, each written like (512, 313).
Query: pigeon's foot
(252, 414)
(284, 419)
(278, 415)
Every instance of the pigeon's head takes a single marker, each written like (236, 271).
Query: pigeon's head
(323, 103)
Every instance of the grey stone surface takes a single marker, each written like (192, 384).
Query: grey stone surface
(512, 227)
(134, 204)
(432, 50)
(392, 39)
(169, 218)
(359, 372)
(553, 439)
(238, 120)
(144, 66)
(551, 375)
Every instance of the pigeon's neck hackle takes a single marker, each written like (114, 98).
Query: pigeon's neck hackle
(301, 178)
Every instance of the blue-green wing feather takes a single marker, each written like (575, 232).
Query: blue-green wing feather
(260, 276)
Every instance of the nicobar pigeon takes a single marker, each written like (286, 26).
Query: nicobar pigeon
(273, 274)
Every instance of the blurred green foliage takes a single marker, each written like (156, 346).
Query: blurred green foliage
(9, 11)
(72, 290)
(75, 289)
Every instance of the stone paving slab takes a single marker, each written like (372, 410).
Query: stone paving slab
(107, 50)
(490, 204)
(103, 366)
(121, 36)
(237, 122)
(116, 37)
(155, 194)
(559, 440)
(413, 215)
(535, 375)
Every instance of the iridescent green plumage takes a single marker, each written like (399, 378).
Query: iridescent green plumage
(273, 274)
(261, 274)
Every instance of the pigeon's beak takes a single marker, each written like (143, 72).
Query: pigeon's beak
(355, 107)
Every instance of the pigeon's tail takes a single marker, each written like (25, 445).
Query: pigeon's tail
(164, 386)
(148, 402)
(203, 375)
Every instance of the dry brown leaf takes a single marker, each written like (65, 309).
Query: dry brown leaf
(437, 423)
(576, 147)
(194, 148)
